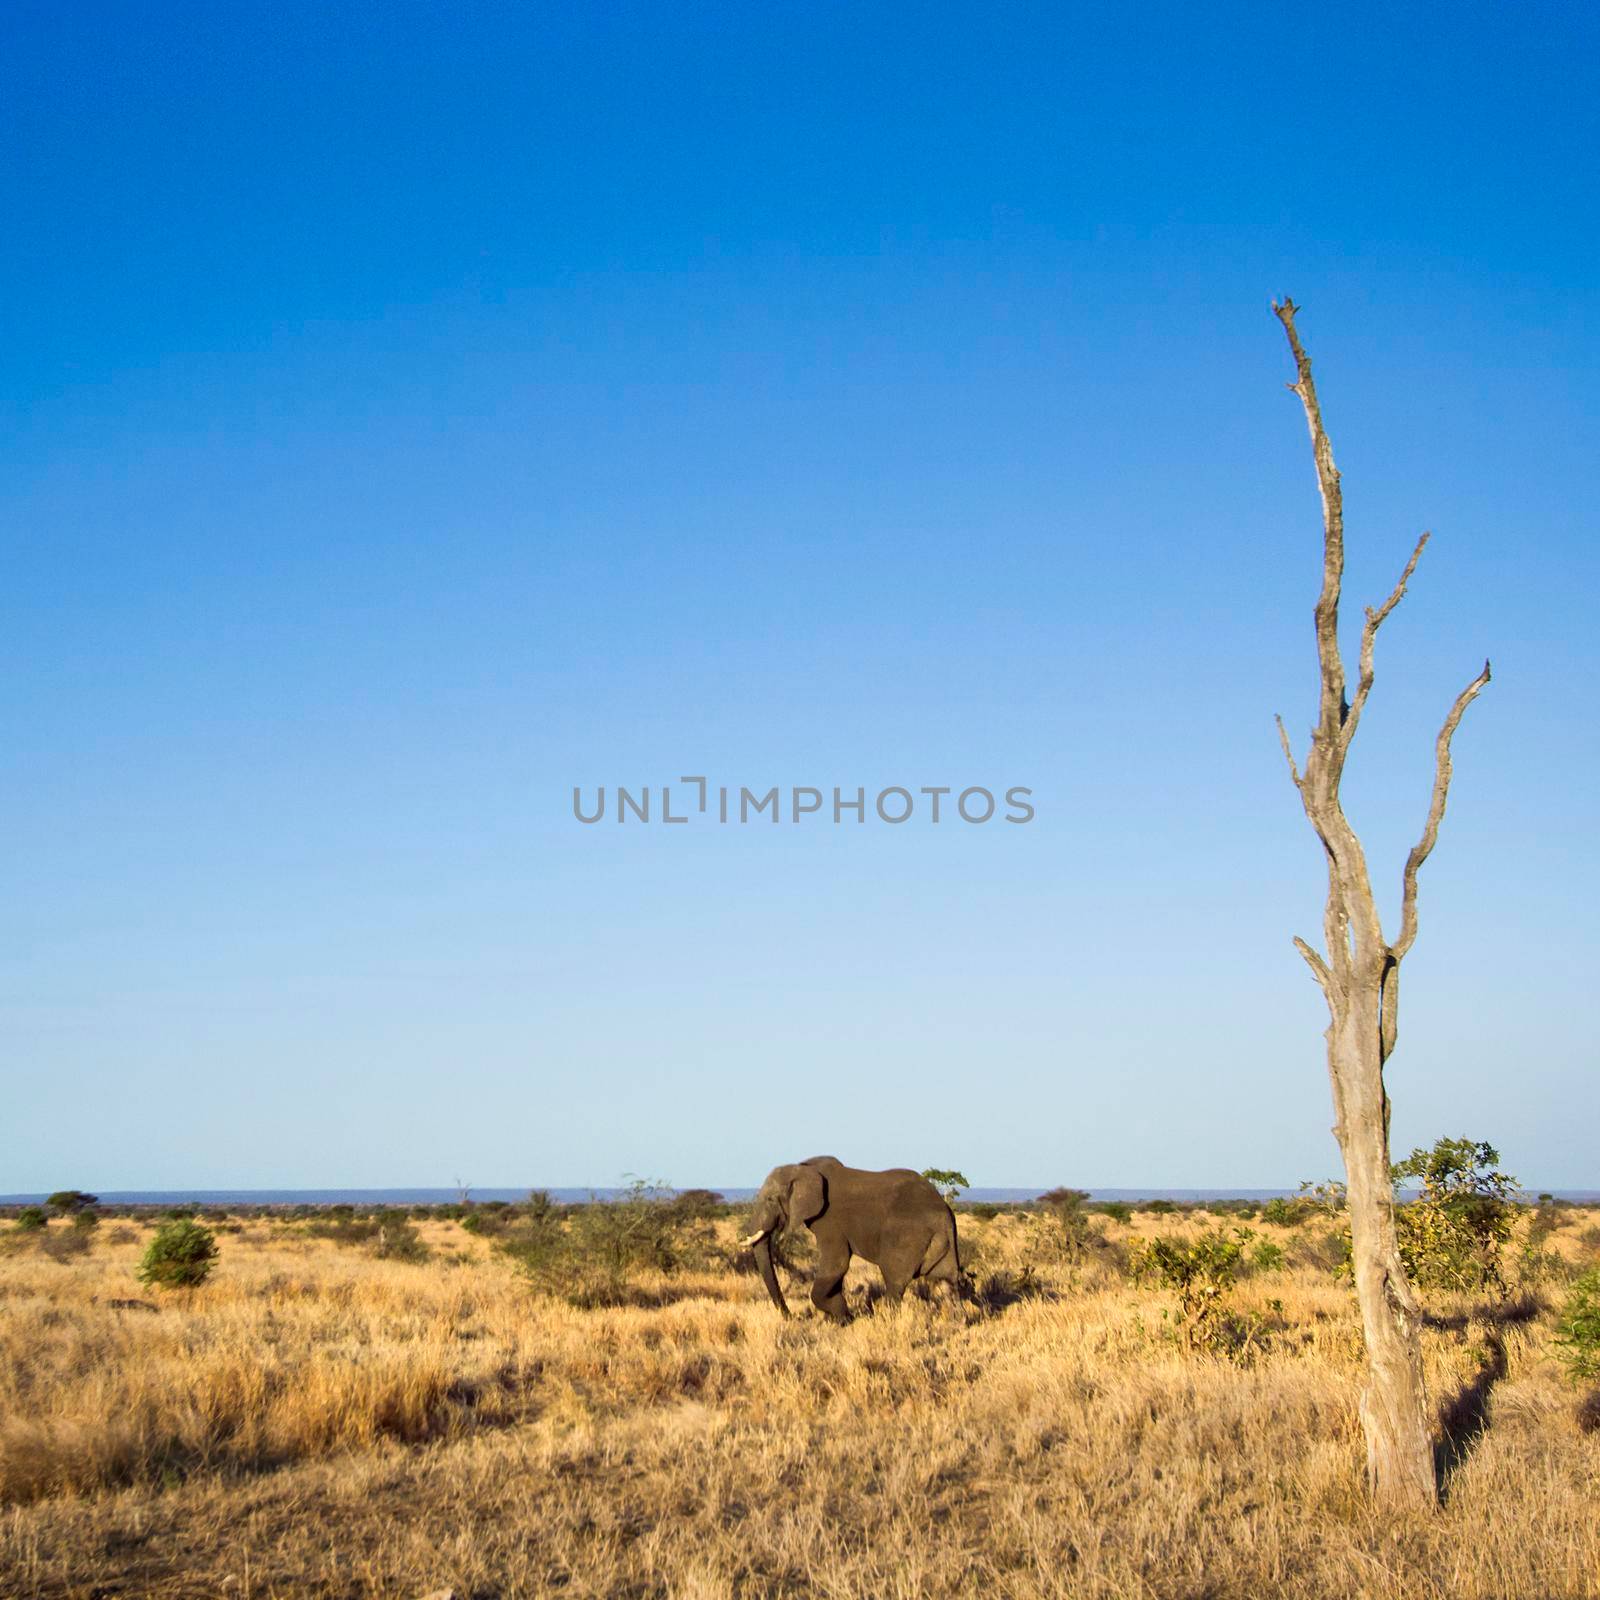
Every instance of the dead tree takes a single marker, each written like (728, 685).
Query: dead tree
(1360, 979)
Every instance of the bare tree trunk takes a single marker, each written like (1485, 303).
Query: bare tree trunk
(1360, 980)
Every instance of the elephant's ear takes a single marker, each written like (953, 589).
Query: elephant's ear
(808, 1194)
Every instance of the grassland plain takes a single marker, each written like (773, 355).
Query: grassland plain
(317, 1422)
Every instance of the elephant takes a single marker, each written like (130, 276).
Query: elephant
(896, 1219)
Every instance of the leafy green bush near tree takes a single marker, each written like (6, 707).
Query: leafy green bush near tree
(1453, 1235)
(1536, 1262)
(31, 1218)
(1266, 1256)
(180, 1256)
(1577, 1337)
(1202, 1271)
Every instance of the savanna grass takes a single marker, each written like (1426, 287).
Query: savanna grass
(319, 1421)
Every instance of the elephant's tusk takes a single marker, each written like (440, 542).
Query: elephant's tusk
(753, 1240)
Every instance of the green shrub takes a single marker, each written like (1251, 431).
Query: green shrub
(180, 1256)
(343, 1227)
(1201, 1271)
(1578, 1329)
(1452, 1236)
(1267, 1257)
(70, 1200)
(1158, 1208)
(31, 1218)
(1536, 1263)
(1282, 1212)
(1117, 1210)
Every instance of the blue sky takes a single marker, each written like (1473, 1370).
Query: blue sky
(413, 412)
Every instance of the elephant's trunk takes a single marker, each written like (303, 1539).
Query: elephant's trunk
(763, 1250)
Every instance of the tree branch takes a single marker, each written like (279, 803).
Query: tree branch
(1388, 1007)
(1319, 967)
(1369, 635)
(1430, 832)
(1288, 754)
(1327, 611)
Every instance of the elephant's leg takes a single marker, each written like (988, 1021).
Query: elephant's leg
(952, 1298)
(827, 1287)
(896, 1276)
(947, 1276)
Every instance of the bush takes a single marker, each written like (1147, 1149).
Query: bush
(1546, 1218)
(1324, 1251)
(69, 1200)
(698, 1205)
(31, 1218)
(343, 1227)
(1158, 1208)
(1578, 1329)
(1329, 1198)
(1451, 1237)
(589, 1256)
(63, 1244)
(1282, 1212)
(397, 1239)
(1066, 1234)
(1535, 1262)
(180, 1256)
(1267, 1257)
(1201, 1272)
(1117, 1210)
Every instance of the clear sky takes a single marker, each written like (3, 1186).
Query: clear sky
(412, 412)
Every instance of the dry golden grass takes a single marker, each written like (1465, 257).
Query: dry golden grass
(315, 1422)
